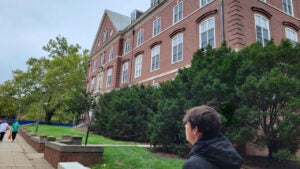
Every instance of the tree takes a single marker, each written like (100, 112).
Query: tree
(123, 114)
(269, 93)
(78, 101)
(65, 71)
(62, 71)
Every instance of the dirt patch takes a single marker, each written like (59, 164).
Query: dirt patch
(255, 162)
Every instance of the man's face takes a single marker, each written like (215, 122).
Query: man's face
(191, 134)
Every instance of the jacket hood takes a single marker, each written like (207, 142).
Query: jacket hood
(217, 149)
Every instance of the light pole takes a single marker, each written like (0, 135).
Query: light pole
(44, 90)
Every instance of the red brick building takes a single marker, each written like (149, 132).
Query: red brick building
(150, 47)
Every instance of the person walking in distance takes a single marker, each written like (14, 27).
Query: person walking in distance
(210, 148)
(15, 127)
(3, 127)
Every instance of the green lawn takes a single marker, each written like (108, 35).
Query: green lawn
(116, 157)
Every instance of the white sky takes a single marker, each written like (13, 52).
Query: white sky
(27, 25)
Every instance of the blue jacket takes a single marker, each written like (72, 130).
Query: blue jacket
(213, 151)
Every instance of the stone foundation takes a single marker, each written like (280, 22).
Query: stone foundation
(87, 155)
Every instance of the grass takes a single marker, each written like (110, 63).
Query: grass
(58, 131)
(116, 157)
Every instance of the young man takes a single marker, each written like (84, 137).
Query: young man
(3, 127)
(15, 127)
(210, 148)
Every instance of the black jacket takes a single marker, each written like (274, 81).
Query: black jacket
(213, 151)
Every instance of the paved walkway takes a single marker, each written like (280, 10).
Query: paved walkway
(20, 155)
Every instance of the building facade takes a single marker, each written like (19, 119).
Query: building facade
(150, 47)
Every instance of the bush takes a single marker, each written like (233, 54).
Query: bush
(283, 155)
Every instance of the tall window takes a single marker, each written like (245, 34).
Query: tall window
(140, 37)
(262, 29)
(124, 72)
(127, 46)
(111, 54)
(138, 66)
(207, 33)
(156, 26)
(92, 84)
(95, 65)
(105, 35)
(177, 12)
(177, 47)
(288, 6)
(102, 61)
(154, 2)
(100, 79)
(204, 2)
(291, 35)
(108, 77)
(155, 56)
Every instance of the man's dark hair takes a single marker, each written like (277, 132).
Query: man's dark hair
(205, 118)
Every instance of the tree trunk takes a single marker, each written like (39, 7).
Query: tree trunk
(50, 113)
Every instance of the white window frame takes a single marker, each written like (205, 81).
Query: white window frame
(124, 72)
(138, 66)
(291, 35)
(156, 26)
(126, 46)
(111, 54)
(155, 85)
(262, 25)
(108, 77)
(287, 6)
(92, 84)
(100, 81)
(205, 2)
(102, 59)
(154, 2)
(105, 35)
(155, 58)
(140, 37)
(95, 65)
(205, 29)
(177, 48)
(178, 12)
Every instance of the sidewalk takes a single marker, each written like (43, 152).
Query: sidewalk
(20, 155)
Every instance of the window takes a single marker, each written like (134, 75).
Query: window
(127, 46)
(207, 33)
(138, 66)
(98, 42)
(92, 84)
(177, 13)
(95, 65)
(140, 37)
(124, 72)
(155, 52)
(105, 35)
(177, 47)
(204, 2)
(154, 2)
(262, 29)
(111, 54)
(100, 79)
(291, 35)
(156, 26)
(108, 77)
(102, 61)
(288, 6)
(155, 85)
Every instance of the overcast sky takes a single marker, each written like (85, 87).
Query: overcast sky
(27, 25)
